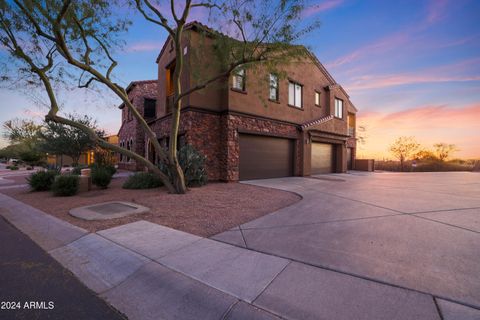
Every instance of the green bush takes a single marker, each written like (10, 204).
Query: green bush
(66, 185)
(13, 168)
(110, 168)
(142, 180)
(42, 180)
(101, 177)
(192, 163)
(78, 170)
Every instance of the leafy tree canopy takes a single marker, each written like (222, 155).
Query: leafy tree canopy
(63, 139)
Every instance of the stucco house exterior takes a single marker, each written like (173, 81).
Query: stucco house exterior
(300, 125)
(86, 158)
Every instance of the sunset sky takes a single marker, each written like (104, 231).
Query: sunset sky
(412, 68)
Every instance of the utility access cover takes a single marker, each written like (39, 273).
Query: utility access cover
(108, 210)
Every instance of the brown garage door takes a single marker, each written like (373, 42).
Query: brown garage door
(322, 158)
(265, 157)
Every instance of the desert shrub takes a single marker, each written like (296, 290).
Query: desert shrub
(192, 163)
(439, 166)
(101, 177)
(142, 180)
(13, 168)
(425, 166)
(78, 170)
(109, 168)
(42, 180)
(65, 185)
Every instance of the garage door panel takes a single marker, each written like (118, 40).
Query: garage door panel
(264, 157)
(322, 158)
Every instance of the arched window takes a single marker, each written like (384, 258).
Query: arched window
(128, 148)
(131, 147)
(121, 146)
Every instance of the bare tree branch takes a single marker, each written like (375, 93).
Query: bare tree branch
(162, 20)
(172, 8)
(61, 45)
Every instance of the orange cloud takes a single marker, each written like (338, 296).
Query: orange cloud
(429, 124)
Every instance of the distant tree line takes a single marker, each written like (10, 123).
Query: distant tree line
(407, 150)
(30, 141)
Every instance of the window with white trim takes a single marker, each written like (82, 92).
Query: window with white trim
(338, 108)
(239, 79)
(295, 94)
(274, 87)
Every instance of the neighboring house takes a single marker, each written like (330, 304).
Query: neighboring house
(304, 125)
(62, 160)
(87, 158)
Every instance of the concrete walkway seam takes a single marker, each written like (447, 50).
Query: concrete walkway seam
(365, 278)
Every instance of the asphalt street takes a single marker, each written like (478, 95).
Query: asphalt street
(35, 286)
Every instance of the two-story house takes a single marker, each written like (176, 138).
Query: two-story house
(300, 125)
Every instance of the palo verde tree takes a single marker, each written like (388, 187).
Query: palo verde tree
(404, 148)
(444, 150)
(58, 41)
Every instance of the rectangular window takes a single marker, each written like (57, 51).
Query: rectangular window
(149, 108)
(239, 79)
(295, 94)
(338, 108)
(317, 98)
(169, 73)
(274, 87)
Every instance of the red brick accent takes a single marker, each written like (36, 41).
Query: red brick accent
(216, 137)
(130, 128)
(237, 123)
(201, 130)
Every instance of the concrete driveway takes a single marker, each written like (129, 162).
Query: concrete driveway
(418, 231)
(357, 246)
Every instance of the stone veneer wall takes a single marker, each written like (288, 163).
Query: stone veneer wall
(201, 130)
(130, 128)
(216, 136)
(245, 124)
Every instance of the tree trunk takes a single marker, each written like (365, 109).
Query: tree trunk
(75, 160)
(177, 172)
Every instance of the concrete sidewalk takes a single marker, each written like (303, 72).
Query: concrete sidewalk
(29, 274)
(148, 271)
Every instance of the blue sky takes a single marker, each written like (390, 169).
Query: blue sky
(411, 68)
